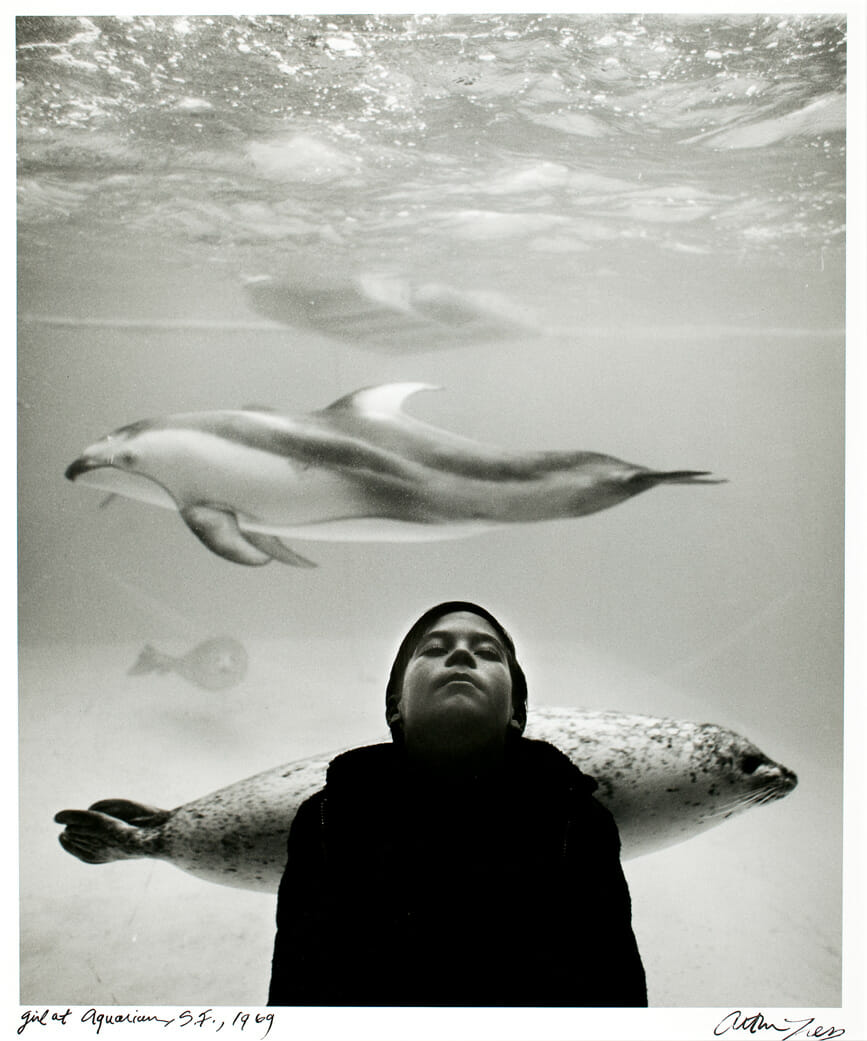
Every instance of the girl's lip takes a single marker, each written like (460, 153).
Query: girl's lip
(459, 677)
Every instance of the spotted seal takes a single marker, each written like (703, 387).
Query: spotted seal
(664, 780)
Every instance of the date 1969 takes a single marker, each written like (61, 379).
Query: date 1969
(207, 1019)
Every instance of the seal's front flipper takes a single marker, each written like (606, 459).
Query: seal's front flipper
(271, 545)
(218, 529)
(97, 838)
(132, 812)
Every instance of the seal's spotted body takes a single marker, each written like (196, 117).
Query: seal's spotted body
(664, 780)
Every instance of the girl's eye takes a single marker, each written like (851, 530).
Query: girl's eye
(432, 648)
(489, 652)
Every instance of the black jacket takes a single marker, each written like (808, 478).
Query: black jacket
(510, 893)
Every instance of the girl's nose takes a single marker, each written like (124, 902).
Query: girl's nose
(460, 655)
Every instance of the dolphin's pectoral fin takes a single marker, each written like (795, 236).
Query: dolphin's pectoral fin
(218, 529)
(385, 399)
(132, 812)
(271, 545)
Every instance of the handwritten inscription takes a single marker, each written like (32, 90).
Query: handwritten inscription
(756, 1023)
(42, 1018)
(206, 1018)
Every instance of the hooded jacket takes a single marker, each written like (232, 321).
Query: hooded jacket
(507, 891)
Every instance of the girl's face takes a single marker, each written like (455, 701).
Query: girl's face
(458, 675)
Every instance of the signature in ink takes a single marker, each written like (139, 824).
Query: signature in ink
(756, 1023)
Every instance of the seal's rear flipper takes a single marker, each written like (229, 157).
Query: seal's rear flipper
(97, 838)
(132, 812)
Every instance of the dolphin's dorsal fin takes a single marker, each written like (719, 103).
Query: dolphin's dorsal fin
(385, 399)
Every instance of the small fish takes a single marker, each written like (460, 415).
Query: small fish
(214, 664)
(359, 470)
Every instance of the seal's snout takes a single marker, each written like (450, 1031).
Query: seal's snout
(782, 782)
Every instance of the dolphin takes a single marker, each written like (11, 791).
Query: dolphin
(386, 312)
(664, 780)
(359, 470)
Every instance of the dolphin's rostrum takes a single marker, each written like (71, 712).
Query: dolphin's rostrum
(359, 470)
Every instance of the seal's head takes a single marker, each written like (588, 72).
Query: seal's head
(447, 613)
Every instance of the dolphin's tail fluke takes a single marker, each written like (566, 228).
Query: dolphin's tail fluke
(110, 830)
(651, 478)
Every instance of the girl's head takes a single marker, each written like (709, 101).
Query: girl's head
(418, 640)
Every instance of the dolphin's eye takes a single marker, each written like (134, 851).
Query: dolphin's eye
(125, 458)
(750, 763)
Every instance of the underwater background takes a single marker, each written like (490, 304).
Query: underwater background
(623, 234)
